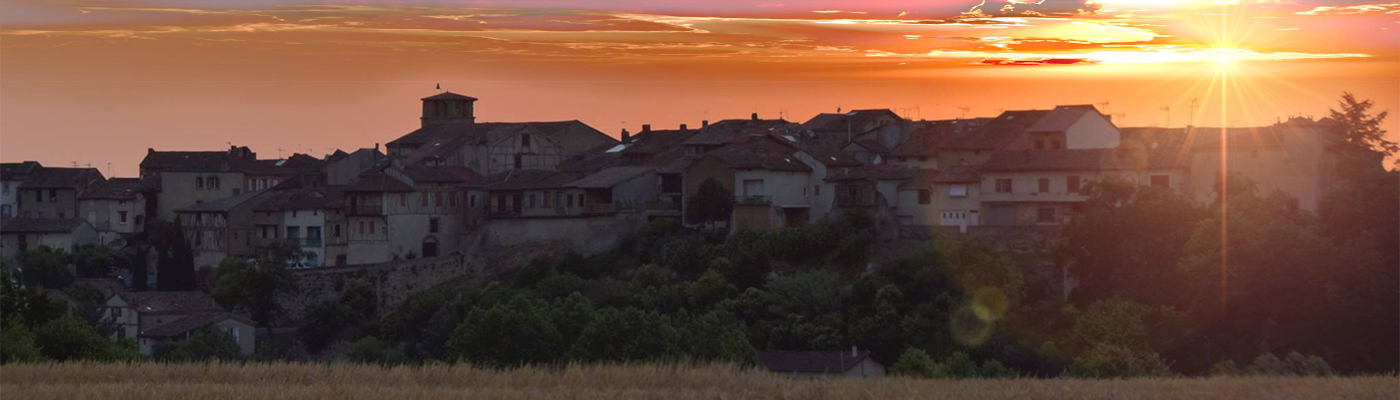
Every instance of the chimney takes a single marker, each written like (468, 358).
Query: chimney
(646, 128)
(150, 150)
(754, 117)
(682, 127)
(626, 135)
(704, 124)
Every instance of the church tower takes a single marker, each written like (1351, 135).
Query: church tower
(448, 108)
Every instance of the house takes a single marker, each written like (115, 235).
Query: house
(1294, 156)
(537, 193)
(219, 229)
(824, 161)
(308, 217)
(239, 328)
(450, 136)
(870, 187)
(345, 168)
(1029, 187)
(154, 317)
(186, 178)
(839, 129)
(20, 235)
(115, 207)
(738, 132)
(947, 197)
(11, 176)
(53, 192)
(395, 212)
(921, 148)
(822, 364)
(771, 187)
(629, 188)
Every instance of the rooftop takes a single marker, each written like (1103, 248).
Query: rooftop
(170, 302)
(40, 225)
(811, 361)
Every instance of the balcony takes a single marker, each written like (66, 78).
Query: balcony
(306, 242)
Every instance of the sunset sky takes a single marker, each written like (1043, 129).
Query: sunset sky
(98, 82)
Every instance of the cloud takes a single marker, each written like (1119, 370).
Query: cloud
(1386, 8)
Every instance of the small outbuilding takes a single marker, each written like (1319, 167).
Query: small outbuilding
(822, 364)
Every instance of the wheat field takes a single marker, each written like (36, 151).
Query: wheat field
(154, 381)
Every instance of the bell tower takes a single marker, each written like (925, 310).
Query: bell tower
(448, 108)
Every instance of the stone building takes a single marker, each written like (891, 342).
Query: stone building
(116, 208)
(53, 192)
(11, 176)
(20, 235)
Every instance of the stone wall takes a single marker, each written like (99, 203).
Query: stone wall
(393, 281)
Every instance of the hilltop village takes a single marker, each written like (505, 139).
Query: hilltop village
(457, 186)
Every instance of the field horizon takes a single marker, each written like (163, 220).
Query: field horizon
(616, 381)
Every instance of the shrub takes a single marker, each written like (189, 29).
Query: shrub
(17, 343)
(1107, 361)
(206, 344)
(915, 363)
(1294, 364)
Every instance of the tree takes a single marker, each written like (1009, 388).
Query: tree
(94, 261)
(68, 338)
(29, 306)
(516, 333)
(17, 343)
(206, 344)
(915, 363)
(627, 335)
(254, 285)
(48, 267)
(709, 204)
(175, 270)
(1109, 361)
(1362, 136)
(323, 322)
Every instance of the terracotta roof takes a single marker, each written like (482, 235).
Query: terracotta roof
(993, 134)
(170, 302)
(19, 170)
(1061, 118)
(62, 178)
(40, 225)
(234, 159)
(657, 141)
(449, 96)
(738, 131)
(1119, 159)
(589, 161)
(610, 177)
(191, 323)
(1208, 138)
(877, 172)
(872, 144)
(742, 157)
(925, 141)
(525, 179)
(442, 174)
(115, 189)
(842, 121)
(830, 156)
(957, 174)
(225, 204)
(379, 182)
(833, 362)
(302, 199)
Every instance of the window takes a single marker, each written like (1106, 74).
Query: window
(7, 187)
(517, 161)
(1072, 183)
(957, 191)
(1055, 144)
(213, 182)
(433, 225)
(817, 190)
(337, 230)
(524, 140)
(403, 199)
(61, 215)
(121, 216)
(530, 201)
(471, 200)
(38, 196)
(362, 227)
(293, 232)
(923, 159)
(925, 197)
(1040, 145)
(1044, 185)
(1003, 185)
(437, 199)
(1045, 214)
(199, 182)
(571, 200)
(452, 199)
(423, 199)
(53, 196)
(371, 227)
(1162, 181)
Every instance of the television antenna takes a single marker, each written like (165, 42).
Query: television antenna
(1168, 110)
(1194, 104)
(964, 109)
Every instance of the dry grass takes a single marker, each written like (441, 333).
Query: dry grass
(150, 381)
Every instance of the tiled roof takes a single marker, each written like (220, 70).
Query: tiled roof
(872, 144)
(657, 141)
(19, 170)
(525, 179)
(738, 130)
(1208, 138)
(589, 161)
(40, 225)
(830, 156)
(379, 182)
(115, 189)
(993, 134)
(842, 121)
(62, 178)
(197, 161)
(877, 172)
(302, 199)
(743, 157)
(833, 362)
(170, 302)
(441, 174)
(610, 177)
(1119, 159)
(191, 323)
(449, 96)
(1061, 118)
(223, 205)
(957, 174)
